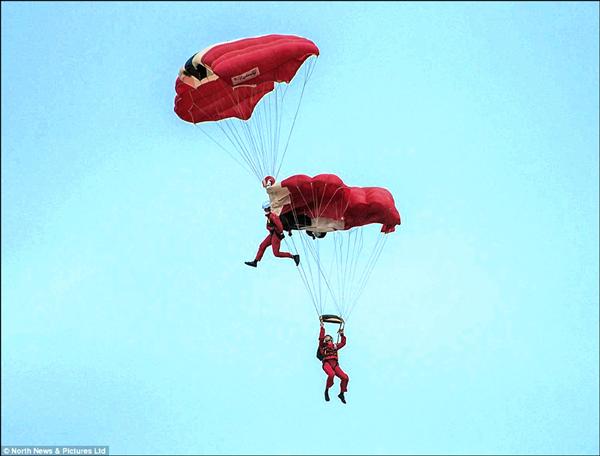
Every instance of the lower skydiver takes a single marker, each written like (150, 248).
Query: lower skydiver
(327, 353)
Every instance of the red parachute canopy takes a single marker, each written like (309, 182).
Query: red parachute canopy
(324, 203)
(229, 79)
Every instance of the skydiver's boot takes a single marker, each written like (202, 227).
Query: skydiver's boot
(252, 263)
(327, 395)
(296, 259)
(342, 398)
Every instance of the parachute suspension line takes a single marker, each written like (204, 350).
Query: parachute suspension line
(277, 120)
(305, 280)
(250, 167)
(270, 133)
(277, 134)
(318, 256)
(346, 273)
(271, 117)
(283, 91)
(309, 251)
(228, 129)
(365, 276)
(348, 263)
(232, 129)
(280, 93)
(350, 278)
(310, 283)
(356, 254)
(320, 203)
(368, 270)
(255, 137)
(247, 167)
(234, 136)
(250, 140)
(338, 212)
(307, 75)
(342, 273)
(262, 130)
(337, 248)
(257, 140)
(311, 214)
(315, 211)
(316, 304)
(333, 263)
(357, 288)
(315, 208)
(256, 133)
(314, 275)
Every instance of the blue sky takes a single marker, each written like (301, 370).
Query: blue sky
(129, 319)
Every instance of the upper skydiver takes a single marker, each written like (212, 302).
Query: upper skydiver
(273, 239)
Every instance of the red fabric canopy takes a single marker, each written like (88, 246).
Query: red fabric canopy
(243, 71)
(260, 59)
(215, 100)
(327, 196)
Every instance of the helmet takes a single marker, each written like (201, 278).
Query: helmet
(268, 181)
(266, 205)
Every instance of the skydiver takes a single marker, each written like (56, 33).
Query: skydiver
(273, 239)
(328, 351)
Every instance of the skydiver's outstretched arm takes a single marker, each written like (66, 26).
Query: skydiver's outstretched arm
(343, 341)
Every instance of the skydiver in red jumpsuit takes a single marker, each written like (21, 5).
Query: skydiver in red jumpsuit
(273, 239)
(328, 351)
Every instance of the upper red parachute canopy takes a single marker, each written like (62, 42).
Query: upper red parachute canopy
(215, 100)
(324, 203)
(229, 79)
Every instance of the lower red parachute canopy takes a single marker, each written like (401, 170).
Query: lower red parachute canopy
(324, 203)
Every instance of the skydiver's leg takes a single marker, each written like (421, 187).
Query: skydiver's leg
(343, 377)
(262, 247)
(330, 374)
(276, 243)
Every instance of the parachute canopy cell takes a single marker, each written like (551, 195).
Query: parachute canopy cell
(228, 80)
(324, 203)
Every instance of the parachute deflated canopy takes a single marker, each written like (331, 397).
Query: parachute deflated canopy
(227, 80)
(324, 203)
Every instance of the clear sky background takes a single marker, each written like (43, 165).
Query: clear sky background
(130, 320)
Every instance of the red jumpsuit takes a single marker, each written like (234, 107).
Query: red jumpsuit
(330, 361)
(275, 228)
